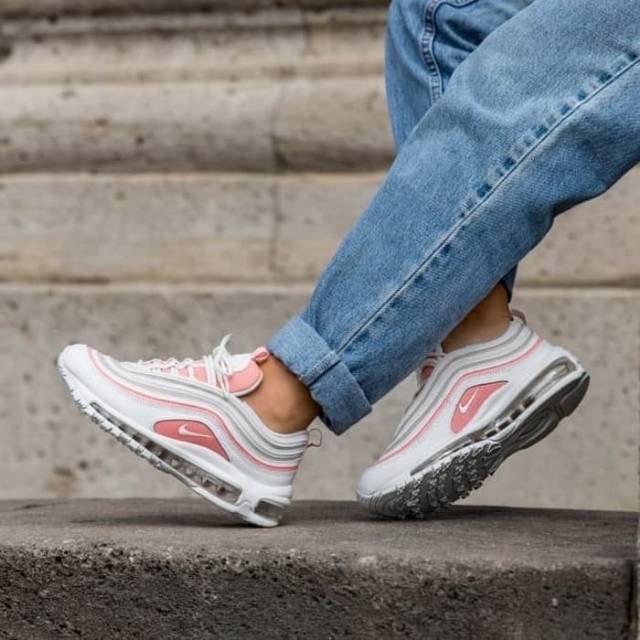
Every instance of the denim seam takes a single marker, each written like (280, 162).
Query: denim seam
(482, 195)
(428, 39)
(329, 361)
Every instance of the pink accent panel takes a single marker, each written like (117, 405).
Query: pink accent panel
(260, 354)
(190, 431)
(458, 382)
(239, 382)
(244, 380)
(184, 405)
(200, 373)
(470, 402)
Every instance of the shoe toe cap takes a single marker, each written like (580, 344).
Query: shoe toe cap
(374, 480)
(75, 359)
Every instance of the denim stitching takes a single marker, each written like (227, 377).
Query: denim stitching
(428, 39)
(329, 361)
(523, 149)
(540, 131)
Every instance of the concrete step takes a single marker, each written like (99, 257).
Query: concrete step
(195, 126)
(232, 46)
(153, 568)
(58, 8)
(257, 91)
(590, 461)
(260, 228)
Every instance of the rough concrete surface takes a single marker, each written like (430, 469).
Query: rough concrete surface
(590, 461)
(193, 227)
(178, 569)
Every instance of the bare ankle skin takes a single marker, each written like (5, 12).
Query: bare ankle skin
(488, 320)
(282, 402)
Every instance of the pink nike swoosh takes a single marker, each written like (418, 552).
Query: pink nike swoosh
(192, 431)
(183, 430)
(470, 402)
(464, 407)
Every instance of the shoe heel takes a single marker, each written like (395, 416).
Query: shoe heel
(548, 416)
(574, 396)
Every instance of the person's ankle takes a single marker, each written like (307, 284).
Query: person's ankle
(281, 401)
(487, 321)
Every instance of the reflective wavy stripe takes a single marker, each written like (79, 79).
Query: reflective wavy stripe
(489, 352)
(450, 371)
(198, 409)
(538, 342)
(253, 435)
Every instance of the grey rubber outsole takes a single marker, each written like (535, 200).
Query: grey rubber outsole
(455, 475)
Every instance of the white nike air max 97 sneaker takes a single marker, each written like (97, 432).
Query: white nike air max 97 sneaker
(474, 407)
(188, 418)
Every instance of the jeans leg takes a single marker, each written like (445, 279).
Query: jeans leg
(426, 41)
(407, 77)
(541, 116)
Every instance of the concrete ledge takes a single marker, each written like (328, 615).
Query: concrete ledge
(89, 569)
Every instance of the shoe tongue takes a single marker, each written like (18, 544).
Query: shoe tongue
(247, 374)
(240, 361)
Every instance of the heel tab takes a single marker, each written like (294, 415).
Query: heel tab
(260, 354)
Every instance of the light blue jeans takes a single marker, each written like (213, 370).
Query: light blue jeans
(506, 113)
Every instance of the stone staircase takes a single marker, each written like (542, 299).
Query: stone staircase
(169, 170)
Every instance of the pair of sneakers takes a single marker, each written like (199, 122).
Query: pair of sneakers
(473, 408)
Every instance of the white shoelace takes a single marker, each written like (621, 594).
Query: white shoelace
(218, 365)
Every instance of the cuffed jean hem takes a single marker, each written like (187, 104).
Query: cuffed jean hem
(508, 282)
(328, 379)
